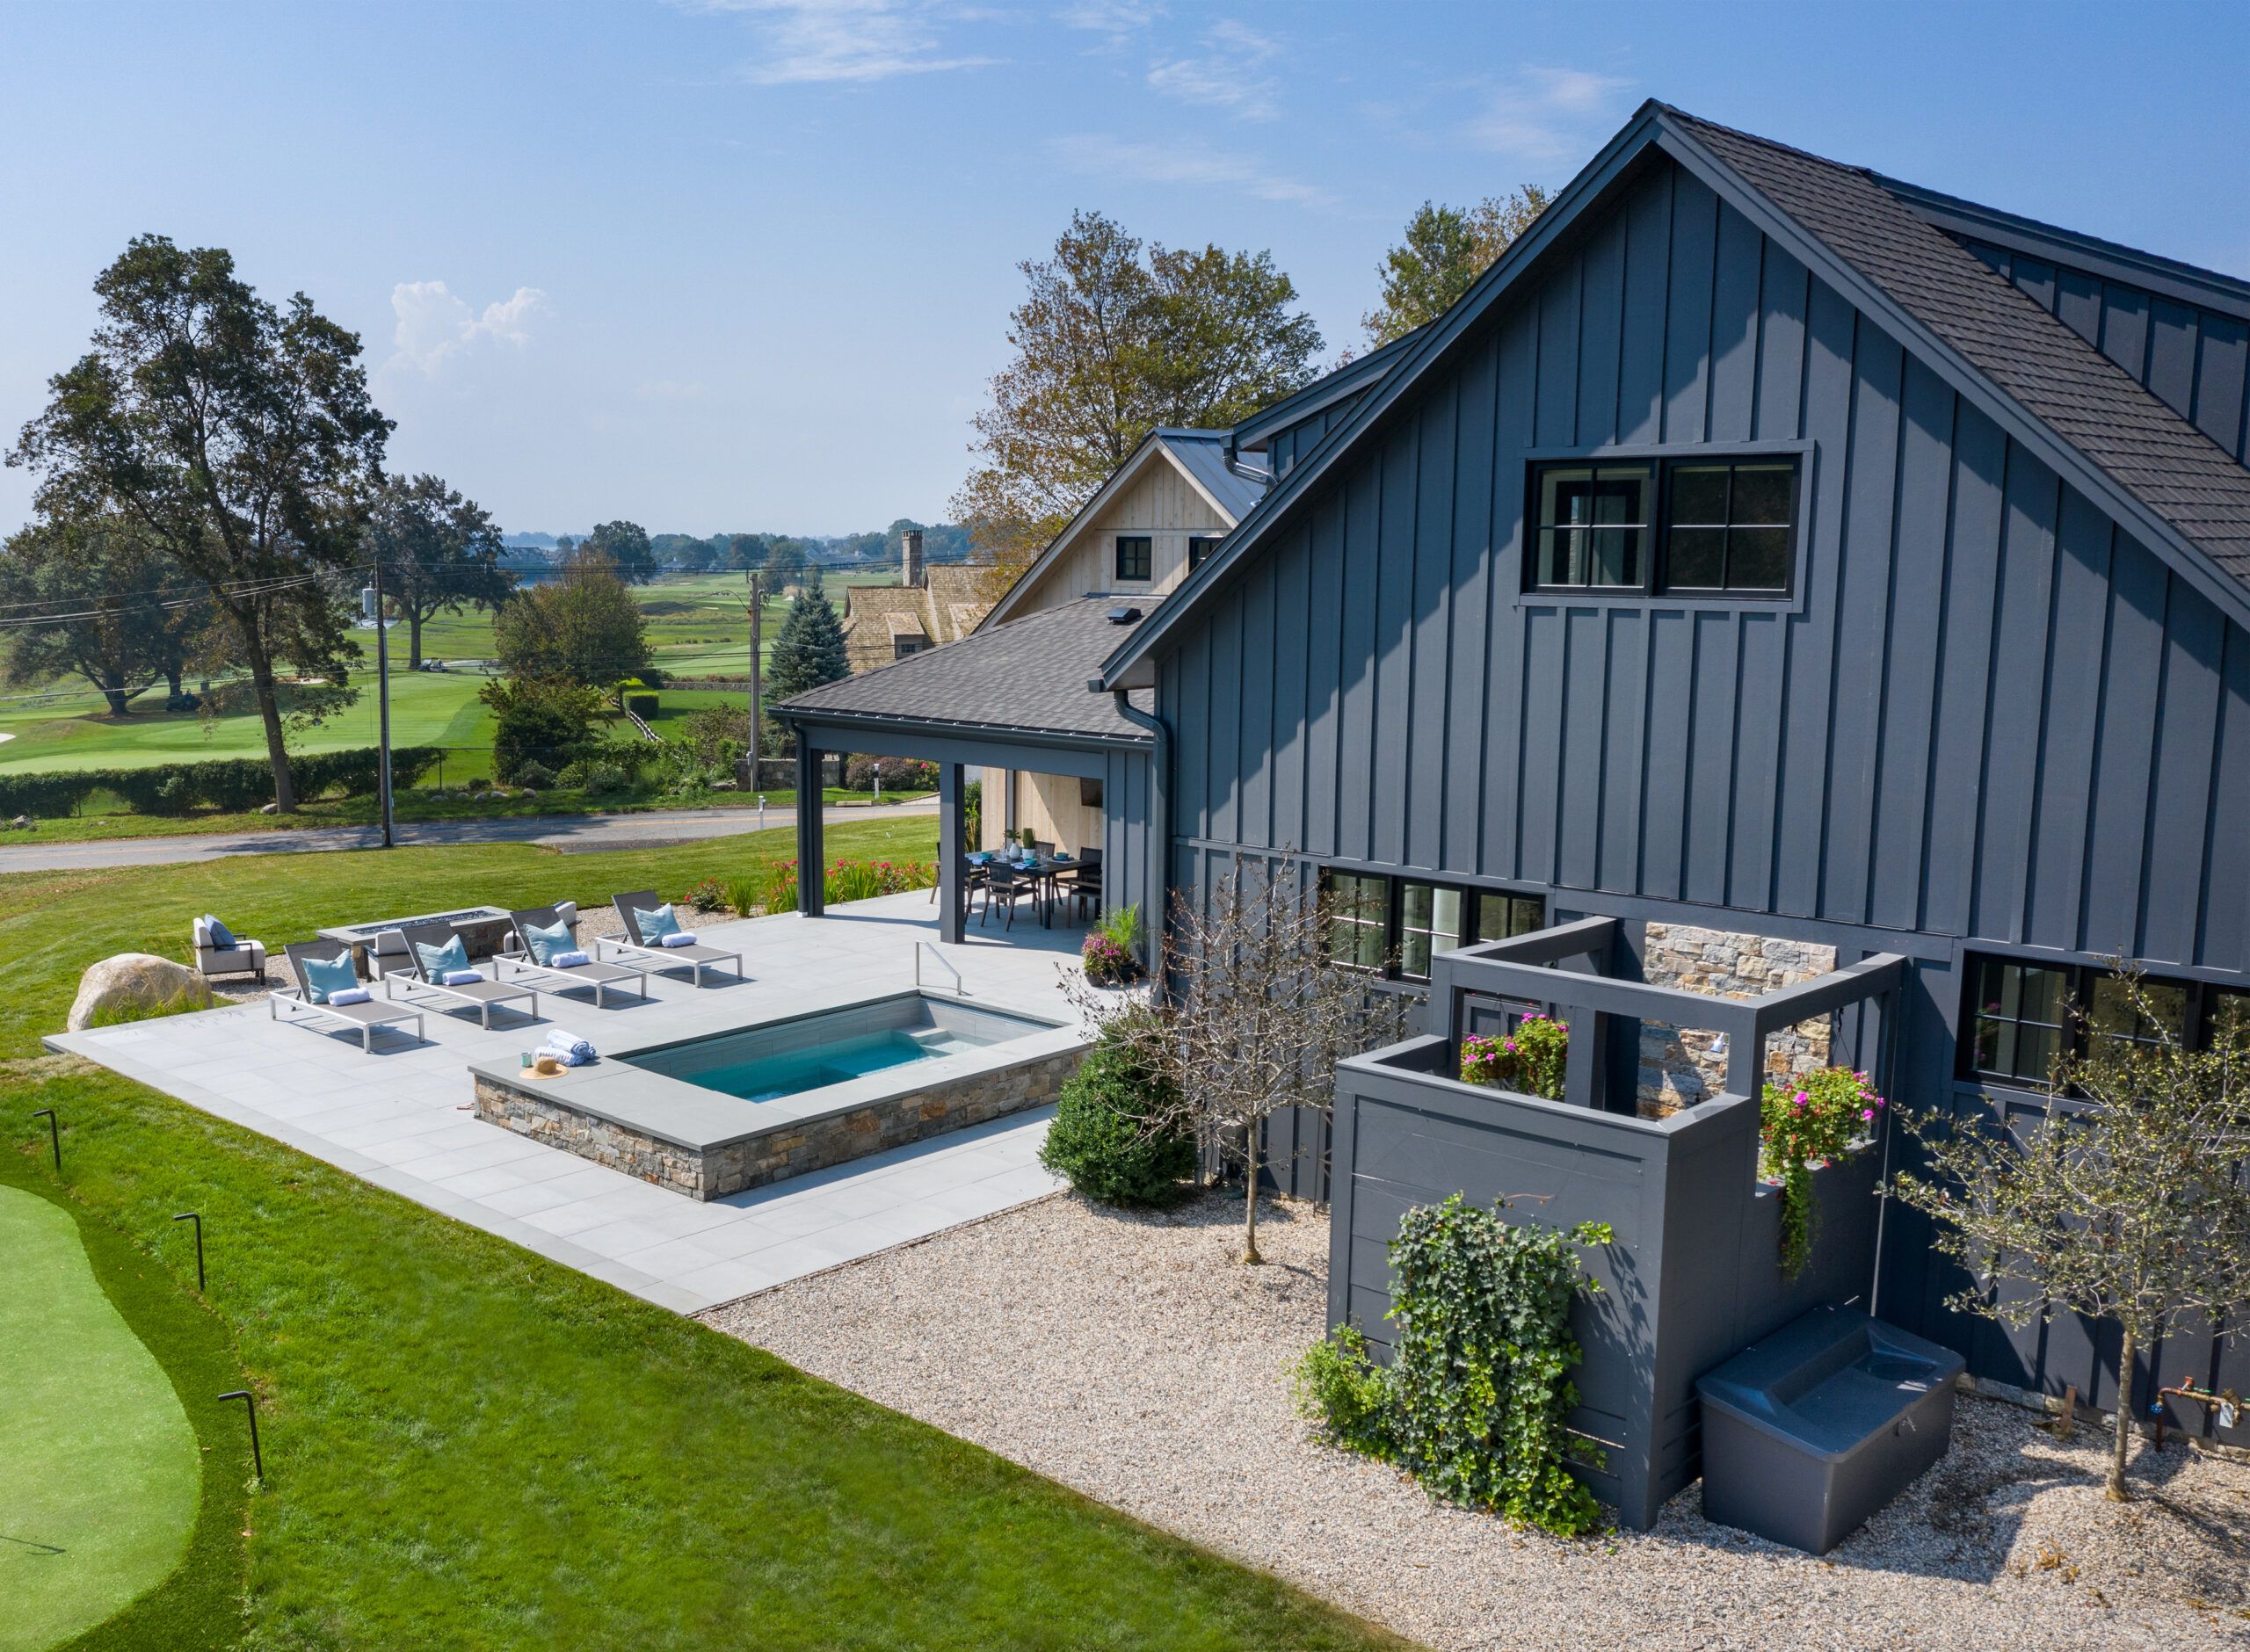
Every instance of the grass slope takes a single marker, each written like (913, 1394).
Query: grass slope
(103, 1473)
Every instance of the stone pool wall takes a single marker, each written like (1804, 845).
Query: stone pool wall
(790, 1148)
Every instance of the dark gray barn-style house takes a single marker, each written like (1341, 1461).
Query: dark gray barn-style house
(1771, 578)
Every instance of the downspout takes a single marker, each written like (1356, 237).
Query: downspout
(1159, 813)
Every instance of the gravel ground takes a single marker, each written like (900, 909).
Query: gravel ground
(1132, 1357)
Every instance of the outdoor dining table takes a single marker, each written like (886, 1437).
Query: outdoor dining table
(1044, 871)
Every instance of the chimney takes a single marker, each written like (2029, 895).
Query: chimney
(912, 541)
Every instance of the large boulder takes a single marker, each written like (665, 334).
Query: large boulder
(133, 986)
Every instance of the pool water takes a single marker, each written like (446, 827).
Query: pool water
(766, 1077)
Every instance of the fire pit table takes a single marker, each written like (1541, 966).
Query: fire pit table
(483, 931)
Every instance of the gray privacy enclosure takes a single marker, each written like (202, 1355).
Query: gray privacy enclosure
(1693, 1273)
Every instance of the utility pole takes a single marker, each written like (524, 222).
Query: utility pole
(382, 705)
(757, 660)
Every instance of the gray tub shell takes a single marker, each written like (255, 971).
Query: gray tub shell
(1809, 1432)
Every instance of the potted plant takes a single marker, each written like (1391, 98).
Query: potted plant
(1808, 1124)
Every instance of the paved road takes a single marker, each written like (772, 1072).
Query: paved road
(567, 832)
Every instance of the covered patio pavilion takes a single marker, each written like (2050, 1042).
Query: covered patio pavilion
(1012, 697)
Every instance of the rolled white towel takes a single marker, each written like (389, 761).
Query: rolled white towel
(569, 1058)
(351, 995)
(569, 1044)
(677, 938)
(462, 977)
(567, 961)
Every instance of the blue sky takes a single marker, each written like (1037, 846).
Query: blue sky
(747, 264)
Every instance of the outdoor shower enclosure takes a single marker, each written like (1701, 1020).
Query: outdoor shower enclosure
(1693, 1272)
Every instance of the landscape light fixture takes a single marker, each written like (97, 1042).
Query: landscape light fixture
(54, 1135)
(249, 1404)
(189, 1215)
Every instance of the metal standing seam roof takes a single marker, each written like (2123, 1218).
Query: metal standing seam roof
(2172, 467)
(1204, 455)
(1029, 673)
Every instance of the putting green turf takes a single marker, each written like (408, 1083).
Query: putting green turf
(102, 1471)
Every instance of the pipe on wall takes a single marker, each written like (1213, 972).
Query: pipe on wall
(1159, 818)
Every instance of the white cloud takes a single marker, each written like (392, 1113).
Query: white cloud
(1225, 77)
(1114, 18)
(1548, 114)
(1171, 163)
(434, 325)
(818, 42)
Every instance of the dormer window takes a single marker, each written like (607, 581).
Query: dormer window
(1135, 556)
(1199, 547)
(1690, 527)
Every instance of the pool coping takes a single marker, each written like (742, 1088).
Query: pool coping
(697, 1120)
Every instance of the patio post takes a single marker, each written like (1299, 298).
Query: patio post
(952, 885)
(812, 855)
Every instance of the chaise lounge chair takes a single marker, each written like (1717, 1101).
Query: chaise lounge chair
(564, 977)
(298, 1002)
(698, 956)
(479, 995)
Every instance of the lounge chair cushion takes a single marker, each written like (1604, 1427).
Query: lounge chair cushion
(324, 975)
(654, 926)
(438, 961)
(547, 945)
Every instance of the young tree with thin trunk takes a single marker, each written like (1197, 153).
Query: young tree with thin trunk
(1255, 1014)
(440, 553)
(2129, 1200)
(238, 438)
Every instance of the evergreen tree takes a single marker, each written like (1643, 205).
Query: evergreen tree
(809, 651)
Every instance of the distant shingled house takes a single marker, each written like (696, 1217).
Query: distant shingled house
(928, 606)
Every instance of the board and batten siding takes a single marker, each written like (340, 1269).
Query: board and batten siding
(1987, 712)
(2193, 359)
(1161, 503)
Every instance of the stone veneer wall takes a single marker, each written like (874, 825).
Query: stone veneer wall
(1678, 1069)
(787, 1150)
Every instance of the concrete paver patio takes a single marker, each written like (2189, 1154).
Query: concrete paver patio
(398, 1118)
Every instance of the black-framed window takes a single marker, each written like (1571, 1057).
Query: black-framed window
(1199, 547)
(1716, 527)
(1135, 556)
(2021, 1016)
(900, 647)
(1399, 924)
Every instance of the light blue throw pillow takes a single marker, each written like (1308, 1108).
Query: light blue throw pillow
(546, 943)
(654, 926)
(436, 960)
(324, 975)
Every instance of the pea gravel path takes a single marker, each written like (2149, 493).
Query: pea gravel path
(1132, 1357)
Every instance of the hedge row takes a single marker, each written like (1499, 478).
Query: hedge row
(228, 783)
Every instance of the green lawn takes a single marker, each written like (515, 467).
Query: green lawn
(103, 1473)
(468, 1444)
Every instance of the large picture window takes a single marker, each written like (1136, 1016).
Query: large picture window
(1399, 925)
(1707, 528)
(2020, 1018)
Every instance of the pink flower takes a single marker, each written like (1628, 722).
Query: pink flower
(1867, 1112)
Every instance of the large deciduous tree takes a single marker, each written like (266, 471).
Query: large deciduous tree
(625, 545)
(2127, 1200)
(809, 651)
(1444, 251)
(585, 627)
(1111, 341)
(238, 437)
(440, 553)
(96, 600)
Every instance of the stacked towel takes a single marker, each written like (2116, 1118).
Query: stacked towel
(351, 995)
(567, 961)
(677, 938)
(568, 1048)
(462, 977)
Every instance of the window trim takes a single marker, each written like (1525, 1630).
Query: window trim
(1207, 542)
(1394, 899)
(1650, 592)
(1148, 544)
(2203, 995)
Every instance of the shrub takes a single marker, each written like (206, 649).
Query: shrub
(898, 774)
(1529, 1058)
(1475, 1401)
(479, 784)
(1099, 1140)
(543, 718)
(533, 774)
(708, 895)
(1806, 1125)
(780, 893)
(605, 777)
(1121, 927)
(746, 897)
(864, 880)
(572, 775)
(642, 706)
